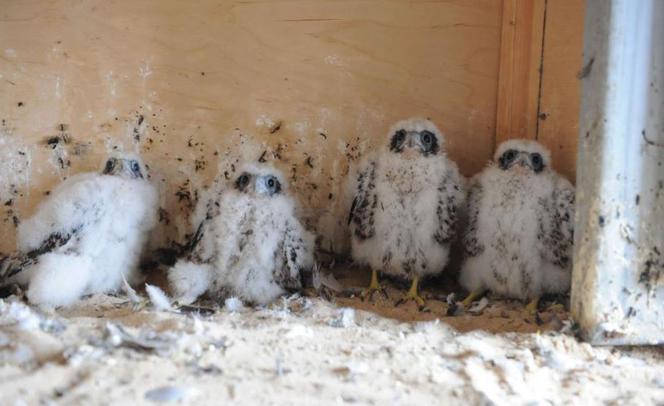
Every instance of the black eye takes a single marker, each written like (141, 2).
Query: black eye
(273, 185)
(135, 166)
(537, 161)
(242, 181)
(397, 140)
(510, 155)
(426, 138)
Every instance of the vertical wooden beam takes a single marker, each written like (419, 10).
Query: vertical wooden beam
(559, 104)
(520, 62)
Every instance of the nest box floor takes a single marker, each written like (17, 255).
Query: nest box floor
(301, 350)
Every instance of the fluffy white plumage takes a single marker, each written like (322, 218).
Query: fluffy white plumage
(88, 233)
(404, 215)
(252, 247)
(518, 242)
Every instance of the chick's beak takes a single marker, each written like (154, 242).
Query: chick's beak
(410, 143)
(522, 164)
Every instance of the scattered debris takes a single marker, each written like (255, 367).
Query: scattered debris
(276, 126)
(18, 314)
(279, 369)
(553, 357)
(197, 310)
(168, 394)
(477, 307)
(233, 304)
(322, 280)
(587, 68)
(158, 298)
(345, 318)
(131, 293)
(147, 340)
(453, 308)
(292, 350)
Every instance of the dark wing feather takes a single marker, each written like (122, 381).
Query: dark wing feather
(450, 200)
(13, 264)
(193, 249)
(560, 237)
(471, 244)
(290, 257)
(191, 245)
(83, 209)
(361, 216)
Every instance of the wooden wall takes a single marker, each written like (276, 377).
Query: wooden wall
(538, 90)
(560, 95)
(307, 84)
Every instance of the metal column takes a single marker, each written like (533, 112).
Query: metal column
(618, 278)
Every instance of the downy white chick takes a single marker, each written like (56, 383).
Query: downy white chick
(86, 236)
(251, 244)
(520, 232)
(404, 214)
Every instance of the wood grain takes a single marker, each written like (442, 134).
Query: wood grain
(211, 79)
(520, 59)
(561, 89)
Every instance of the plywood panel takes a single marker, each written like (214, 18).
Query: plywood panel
(191, 83)
(520, 64)
(560, 94)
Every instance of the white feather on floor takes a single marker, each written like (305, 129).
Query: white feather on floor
(159, 299)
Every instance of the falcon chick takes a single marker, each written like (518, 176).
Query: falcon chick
(518, 242)
(251, 245)
(403, 217)
(87, 236)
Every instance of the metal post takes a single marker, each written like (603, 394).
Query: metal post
(618, 277)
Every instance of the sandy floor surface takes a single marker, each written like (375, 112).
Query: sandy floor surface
(301, 350)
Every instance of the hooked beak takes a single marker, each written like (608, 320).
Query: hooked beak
(410, 143)
(522, 164)
(410, 149)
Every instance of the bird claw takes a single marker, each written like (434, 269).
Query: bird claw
(532, 307)
(369, 292)
(476, 294)
(415, 297)
(556, 307)
(453, 309)
(193, 309)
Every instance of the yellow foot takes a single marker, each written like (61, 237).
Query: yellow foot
(476, 294)
(532, 306)
(412, 295)
(374, 287)
(556, 307)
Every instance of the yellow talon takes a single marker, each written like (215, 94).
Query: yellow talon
(413, 294)
(373, 286)
(532, 306)
(556, 307)
(471, 298)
